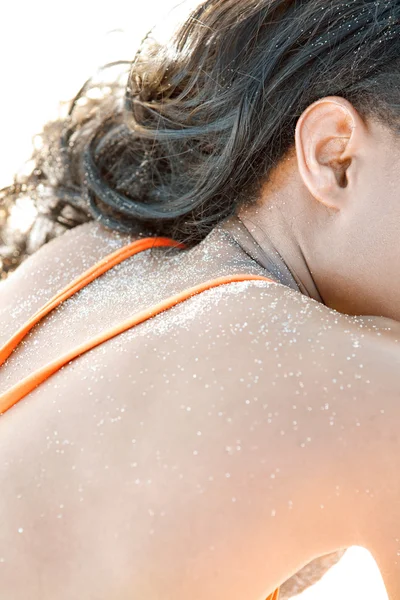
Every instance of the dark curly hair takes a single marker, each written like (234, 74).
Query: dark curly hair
(191, 129)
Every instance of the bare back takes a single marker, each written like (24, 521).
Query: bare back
(194, 454)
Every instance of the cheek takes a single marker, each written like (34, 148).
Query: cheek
(371, 228)
(388, 193)
(379, 202)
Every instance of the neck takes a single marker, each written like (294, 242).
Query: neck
(275, 250)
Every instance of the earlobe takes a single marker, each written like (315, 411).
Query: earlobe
(325, 144)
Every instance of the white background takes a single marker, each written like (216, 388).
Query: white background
(48, 50)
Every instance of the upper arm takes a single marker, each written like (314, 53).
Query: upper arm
(376, 458)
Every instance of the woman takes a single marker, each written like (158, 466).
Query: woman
(215, 449)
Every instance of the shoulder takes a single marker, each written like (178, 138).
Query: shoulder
(302, 347)
(260, 311)
(71, 252)
(52, 267)
(321, 379)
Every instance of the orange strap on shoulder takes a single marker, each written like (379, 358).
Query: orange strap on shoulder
(29, 383)
(274, 596)
(109, 261)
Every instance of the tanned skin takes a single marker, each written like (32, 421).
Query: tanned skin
(215, 450)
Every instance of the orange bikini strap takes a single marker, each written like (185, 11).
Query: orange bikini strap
(77, 284)
(24, 387)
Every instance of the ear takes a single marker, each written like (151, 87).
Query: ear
(330, 135)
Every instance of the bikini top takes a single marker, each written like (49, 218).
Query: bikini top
(17, 392)
(32, 381)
